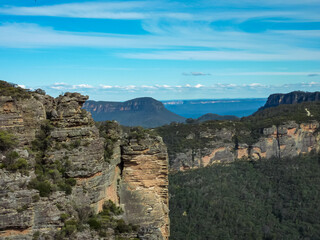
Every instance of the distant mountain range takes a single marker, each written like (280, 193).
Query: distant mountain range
(148, 112)
(145, 112)
(197, 108)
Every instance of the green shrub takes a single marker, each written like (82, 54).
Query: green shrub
(11, 156)
(110, 207)
(65, 187)
(42, 141)
(75, 144)
(36, 235)
(13, 90)
(40, 91)
(44, 187)
(20, 164)
(122, 227)
(70, 227)
(7, 141)
(94, 223)
(71, 181)
(23, 208)
(64, 217)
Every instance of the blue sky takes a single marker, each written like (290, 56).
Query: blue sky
(118, 50)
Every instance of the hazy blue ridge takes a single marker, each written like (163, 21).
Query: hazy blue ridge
(197, 108)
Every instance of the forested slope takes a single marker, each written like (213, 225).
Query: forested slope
(266, 199)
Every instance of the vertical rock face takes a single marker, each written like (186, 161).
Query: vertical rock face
(144, 186)
(291, 98)
(73, 141)
(287, 140)
(22, 117)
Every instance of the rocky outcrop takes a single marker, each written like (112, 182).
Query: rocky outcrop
(21, 117)
(287, 140)
(68, 138)
(291, 98)
(144, 186)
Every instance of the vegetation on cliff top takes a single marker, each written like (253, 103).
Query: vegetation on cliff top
(267, 199)
(246, 130)
(16, 92)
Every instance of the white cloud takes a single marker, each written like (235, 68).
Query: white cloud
(106, 86)
(199, 86)
(60, 84)
(218, 87)
(57, 87)
(82, 86)
(148, 87)
(256, 85)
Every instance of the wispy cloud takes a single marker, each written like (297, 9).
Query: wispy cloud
(63, 86)
(133, 10)
(112, 10)
(35, 36)
(227, 55)
(176, 27)
(309, 74)
(196, 74)
(126, 10)
(198, 90)
(313, 74)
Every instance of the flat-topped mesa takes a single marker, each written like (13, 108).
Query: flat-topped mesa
(291, 98)
(144, 186)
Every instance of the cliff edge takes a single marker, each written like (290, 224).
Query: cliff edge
(63, 178)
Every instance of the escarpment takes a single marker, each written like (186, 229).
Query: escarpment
(223, 145)
(291, 98)
(59, 173)
(283, 131)
(145, 112)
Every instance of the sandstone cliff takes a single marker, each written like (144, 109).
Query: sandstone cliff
(60, 167)
(198, 145)
(286, 140)
(291, 98)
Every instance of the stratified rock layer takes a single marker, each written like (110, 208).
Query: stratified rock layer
(291, 98)
(74, 141)
(287, 140)
(144, 188)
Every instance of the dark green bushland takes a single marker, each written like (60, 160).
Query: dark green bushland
(267, 199)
